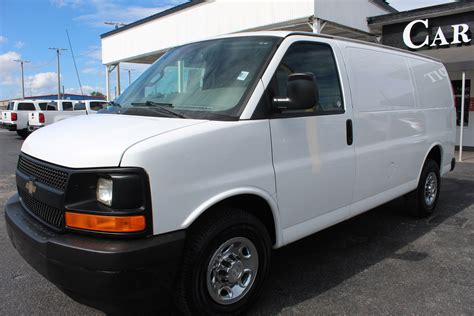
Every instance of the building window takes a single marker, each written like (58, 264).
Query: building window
(457, 88)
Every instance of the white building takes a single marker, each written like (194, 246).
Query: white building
(370, 20)
(145, 40)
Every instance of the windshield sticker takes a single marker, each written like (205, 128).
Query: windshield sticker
(243, 75)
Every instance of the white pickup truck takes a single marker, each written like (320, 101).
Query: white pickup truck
(15, 117)
(59, 110)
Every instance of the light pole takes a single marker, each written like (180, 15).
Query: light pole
(21, 61)
(129, 75)
(58, 52)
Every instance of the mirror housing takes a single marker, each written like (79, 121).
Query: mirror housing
(302, 90)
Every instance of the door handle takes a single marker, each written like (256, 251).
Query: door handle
(349, 133)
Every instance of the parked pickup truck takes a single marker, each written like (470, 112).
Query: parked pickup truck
(15, 117)
(59, 110)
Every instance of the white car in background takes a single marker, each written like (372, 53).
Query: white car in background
(15, 117)
(59, 110)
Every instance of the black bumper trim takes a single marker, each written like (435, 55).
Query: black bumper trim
(95, 269)
(9, 126)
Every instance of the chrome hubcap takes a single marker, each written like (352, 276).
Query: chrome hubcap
(232, 270)
(431, 188)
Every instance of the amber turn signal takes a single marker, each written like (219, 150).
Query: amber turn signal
(113, 224)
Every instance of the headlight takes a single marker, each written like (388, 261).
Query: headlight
(104, 191)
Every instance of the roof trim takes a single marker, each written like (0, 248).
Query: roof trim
(154, 17)
(384, 5)
(398, 17)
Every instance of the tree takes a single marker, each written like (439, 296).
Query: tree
(97, 94)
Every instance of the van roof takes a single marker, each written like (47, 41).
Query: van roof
(284, 34)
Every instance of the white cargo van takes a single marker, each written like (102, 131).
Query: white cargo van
(15, 117)
(59, 110)
(221, 151)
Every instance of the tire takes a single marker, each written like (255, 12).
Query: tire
(195, 294)
(422, 201)
(23, 133)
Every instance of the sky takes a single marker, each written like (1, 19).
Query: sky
(29, 27)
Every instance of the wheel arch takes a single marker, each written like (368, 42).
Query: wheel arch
(436, 153)
(243, 198)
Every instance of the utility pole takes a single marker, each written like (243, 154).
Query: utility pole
(21, 61)
(129, 75)
(58, 52)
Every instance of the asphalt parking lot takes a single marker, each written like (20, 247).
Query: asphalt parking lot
(381, 262)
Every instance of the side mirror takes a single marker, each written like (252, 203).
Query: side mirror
(302, 93)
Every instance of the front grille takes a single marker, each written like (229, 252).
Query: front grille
(49, 176)
(47, 213)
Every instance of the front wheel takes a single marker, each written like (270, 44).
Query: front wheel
(423, 200)
(225, 264)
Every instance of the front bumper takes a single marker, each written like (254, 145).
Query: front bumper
(9, 126)
(99, 272)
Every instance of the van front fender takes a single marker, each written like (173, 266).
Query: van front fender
(209, 203)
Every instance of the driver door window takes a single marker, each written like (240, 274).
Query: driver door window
(316, 58)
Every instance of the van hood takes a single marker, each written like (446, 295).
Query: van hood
(97, 140)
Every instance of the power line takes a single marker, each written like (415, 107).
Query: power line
(74, 60)
(42, 65)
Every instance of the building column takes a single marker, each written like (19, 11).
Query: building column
(316, 24)
(107, 82)
(461, 127)
(118, 78)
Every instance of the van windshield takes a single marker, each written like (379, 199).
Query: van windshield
(205, 80)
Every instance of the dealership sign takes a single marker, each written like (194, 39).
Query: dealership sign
(460, 34)
(435, 32)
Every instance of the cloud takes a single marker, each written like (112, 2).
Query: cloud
(9, 69)
(109, 11)
(42, 83)
(86, 89)
(93, 52)
(3, 39)
(96, 71)
(19, 44)
(89, 71)
(66, 3)
(403, 5)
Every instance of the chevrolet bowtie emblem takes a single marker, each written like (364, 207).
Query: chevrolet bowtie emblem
(30, 187)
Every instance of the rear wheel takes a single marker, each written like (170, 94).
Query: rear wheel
(423, 200)
(225, 264)
(23, 133)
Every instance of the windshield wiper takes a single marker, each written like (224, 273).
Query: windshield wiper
(162, 107)
(113, 103)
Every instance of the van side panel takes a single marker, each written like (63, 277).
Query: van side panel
(388, 127)
(435, 99)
